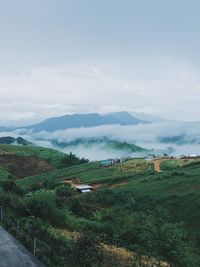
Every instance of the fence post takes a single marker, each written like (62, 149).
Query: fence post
(1, 213)
(34, 246)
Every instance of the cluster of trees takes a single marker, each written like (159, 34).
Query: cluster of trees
(71, 160)
(155, 236)
(11, 140)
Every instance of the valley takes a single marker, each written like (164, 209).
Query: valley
(135, 208)
(99, 133)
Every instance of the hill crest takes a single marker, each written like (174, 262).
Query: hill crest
(84, 120)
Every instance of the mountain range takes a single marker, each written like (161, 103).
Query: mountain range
(85, 120)
(78, 133)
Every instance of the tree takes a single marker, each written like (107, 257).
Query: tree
(174, 246)
(42, 204)
(71, 160)
(64, 191)
(10, 186)
(63, 194)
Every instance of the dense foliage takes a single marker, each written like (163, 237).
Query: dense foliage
(12, 140)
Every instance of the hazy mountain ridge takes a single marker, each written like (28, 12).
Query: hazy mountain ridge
(126, 136)
(84, 120)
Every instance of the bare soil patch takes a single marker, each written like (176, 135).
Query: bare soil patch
(21, 167)
(157, 163)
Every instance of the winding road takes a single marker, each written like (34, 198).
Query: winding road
(157, 163)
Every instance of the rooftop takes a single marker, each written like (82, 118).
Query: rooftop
(82, 187)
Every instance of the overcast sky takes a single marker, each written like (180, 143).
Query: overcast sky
(67, 56)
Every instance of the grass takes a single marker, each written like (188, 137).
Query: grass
(177, 189)
(117, 255)
(89, 173)
(130, 186)
(50, 155)
(176, 163)
(3, 173)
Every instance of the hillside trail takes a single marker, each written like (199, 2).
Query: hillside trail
(94, 186)
(157, 163)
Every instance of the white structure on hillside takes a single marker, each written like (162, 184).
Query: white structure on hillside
(83, 188)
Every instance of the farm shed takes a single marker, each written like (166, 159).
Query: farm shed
(116, 160)
(83, 188)
(106, 163)
(123, 159)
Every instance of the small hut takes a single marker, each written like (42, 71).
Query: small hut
(83, 188)
(106, 163)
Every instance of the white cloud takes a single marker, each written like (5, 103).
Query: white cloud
(84, 87)
(144, 135)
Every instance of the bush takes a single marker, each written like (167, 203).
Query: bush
(41, 204)
(10, 186)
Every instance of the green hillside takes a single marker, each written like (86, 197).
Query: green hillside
(125, 146)
(50, 155)
(177, 189)
(4, 174)
(92, 173)
(134, 216)
(105, 142)
(22, 161)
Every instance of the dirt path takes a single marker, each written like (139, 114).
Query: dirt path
(94, 186)
(71, 183)
(157, 163)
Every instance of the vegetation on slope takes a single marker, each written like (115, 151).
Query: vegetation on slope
(153, 216)
(52, 156)
(104, 142)
(12, 140)
(42, 155)
(175, 189)
(4, 174)
(91, 173)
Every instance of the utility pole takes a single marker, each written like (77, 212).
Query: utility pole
(17, 228)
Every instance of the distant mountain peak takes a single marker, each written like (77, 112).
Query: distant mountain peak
(85, 120)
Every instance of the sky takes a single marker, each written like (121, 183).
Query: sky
(78, 56)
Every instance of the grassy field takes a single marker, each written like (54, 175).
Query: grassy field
(91, 173)
(176, 163)
(129, 206)
(177, 188)
(50, 155)
(3, 173)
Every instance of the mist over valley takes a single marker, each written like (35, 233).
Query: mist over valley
(113, 135)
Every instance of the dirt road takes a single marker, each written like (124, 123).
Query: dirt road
(157, 163)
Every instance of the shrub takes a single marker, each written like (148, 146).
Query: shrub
(41, 204)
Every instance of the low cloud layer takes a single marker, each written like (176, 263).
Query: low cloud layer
(157, 136)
